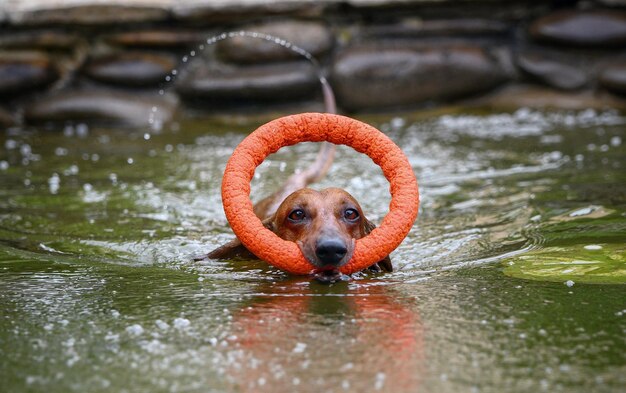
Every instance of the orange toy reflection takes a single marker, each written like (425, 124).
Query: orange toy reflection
(310, 337)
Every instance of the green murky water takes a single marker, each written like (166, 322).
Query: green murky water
(511, 281)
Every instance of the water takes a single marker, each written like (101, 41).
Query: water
(511, 280)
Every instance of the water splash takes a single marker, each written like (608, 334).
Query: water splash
(157, 125)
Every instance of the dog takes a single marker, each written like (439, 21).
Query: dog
(324, 224)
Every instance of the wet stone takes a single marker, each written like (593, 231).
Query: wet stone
(209, 12)
(100, 106)
(553, 70)
(602, 28)
(411, 28)
(131, 68)
(613, 3)
(156, 38)
(613, 77)
(313, 37)
(40, 39)
(515, 96)
(373, 77)
(24, 71)
(250, 83)
(90, 14)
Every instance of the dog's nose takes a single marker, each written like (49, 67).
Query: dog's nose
(330, 251)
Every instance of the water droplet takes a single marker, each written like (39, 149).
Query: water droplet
(157, 125)
(60, 151)
(380, 380)
(54, 183)
(397, 122)
(25, 149)
(299, 348)
(582, 212)
(68, 130)
(593, 247)
(135, 330)
(162, 324)
(181, 323)
(82, 130)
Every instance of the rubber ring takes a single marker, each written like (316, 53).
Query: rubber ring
(318, 127)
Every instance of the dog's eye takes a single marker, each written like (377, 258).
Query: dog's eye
(297, 215)
(351, 214)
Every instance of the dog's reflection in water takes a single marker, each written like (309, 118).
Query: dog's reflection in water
(312, 337)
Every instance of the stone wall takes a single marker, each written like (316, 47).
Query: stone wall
(140, 61)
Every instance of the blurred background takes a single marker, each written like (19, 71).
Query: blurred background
(77, 60)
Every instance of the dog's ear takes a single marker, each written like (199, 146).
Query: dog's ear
(234, 248)
(385, 263)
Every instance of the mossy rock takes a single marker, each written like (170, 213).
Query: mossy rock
(590, 264)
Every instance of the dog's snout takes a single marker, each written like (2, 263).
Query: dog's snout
(330, 251)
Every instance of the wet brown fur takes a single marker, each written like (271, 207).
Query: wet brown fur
(325, 212)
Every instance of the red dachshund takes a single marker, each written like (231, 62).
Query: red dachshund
(324, 224)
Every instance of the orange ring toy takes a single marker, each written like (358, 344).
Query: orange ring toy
(318, 127)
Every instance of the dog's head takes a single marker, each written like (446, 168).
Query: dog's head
(324, 224)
